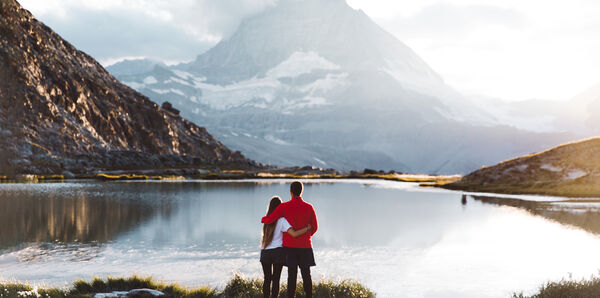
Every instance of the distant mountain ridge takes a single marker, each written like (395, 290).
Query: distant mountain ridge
(317, 82)
(578, 115)
(60, 110)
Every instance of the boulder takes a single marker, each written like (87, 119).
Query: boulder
(167, 106)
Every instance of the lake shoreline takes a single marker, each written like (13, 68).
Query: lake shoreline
(201, 174)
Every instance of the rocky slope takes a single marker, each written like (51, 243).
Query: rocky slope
(60, 110)
(315, 82)
(568, 170)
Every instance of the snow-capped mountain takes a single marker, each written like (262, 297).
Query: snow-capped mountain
(317, 82)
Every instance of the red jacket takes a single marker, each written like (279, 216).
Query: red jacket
(299, 214)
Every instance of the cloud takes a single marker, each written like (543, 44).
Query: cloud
(445, 19)
(512, 49)
(170, 31)
(109, 35)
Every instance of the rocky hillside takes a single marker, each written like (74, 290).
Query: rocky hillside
(568, 170)
(60, 110)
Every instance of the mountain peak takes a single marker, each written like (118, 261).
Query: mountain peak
(330, 28)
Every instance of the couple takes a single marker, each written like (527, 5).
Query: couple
(287, 230)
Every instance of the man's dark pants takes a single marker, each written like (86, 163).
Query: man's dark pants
(303, 258)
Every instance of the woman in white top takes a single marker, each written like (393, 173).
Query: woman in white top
(272, 256)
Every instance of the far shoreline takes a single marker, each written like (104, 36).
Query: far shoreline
(305, 173)
(448, 182)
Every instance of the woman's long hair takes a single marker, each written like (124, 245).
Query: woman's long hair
(269, 229)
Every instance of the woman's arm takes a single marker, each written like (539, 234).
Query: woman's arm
(298, 233)
(271, 218)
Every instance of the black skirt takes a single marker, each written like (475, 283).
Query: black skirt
(302, 257)
(272, 256)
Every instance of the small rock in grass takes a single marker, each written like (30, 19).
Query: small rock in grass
(144, 293)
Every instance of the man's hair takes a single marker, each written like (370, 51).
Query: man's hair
(296, 188)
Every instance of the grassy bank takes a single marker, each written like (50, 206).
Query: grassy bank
(149, 175)
(425, 180)
(567, 288)
(32, 178)
(237, 287)
(108, 177)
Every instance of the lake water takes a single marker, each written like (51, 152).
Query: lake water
(398, 239)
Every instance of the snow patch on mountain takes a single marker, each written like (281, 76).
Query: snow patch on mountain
(328, 83)
(276, 140)
(574, 174)
(271, 91)
(150, 80)
(550, 167)
(135, 85)
(179, 81)
(166, 91)
(320, 161)
(300, 63)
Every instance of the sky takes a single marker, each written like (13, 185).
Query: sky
(507, 49)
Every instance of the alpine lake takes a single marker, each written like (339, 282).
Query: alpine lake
(397, 238)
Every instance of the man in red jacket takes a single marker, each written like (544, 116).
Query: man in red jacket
(298, 251)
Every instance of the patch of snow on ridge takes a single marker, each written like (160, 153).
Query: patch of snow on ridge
(165, 91)
(320, 161)
(150, 80)
(522, 167)
(135, 85)
(309, 102)
(300, 63)
(275, 140)
(183, 74)
(574, 174)
(266, 92)
(236, 94)
(178, 80)
(330, 82)
(550, 167)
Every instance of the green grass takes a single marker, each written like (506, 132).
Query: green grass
(252, 288)
(567, 288)
(109, 177)
(13, 290)
(425, 180)
(51, 178)
(237, 287)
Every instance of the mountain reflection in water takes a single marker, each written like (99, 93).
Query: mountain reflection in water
(580, 213)
(67, 215)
